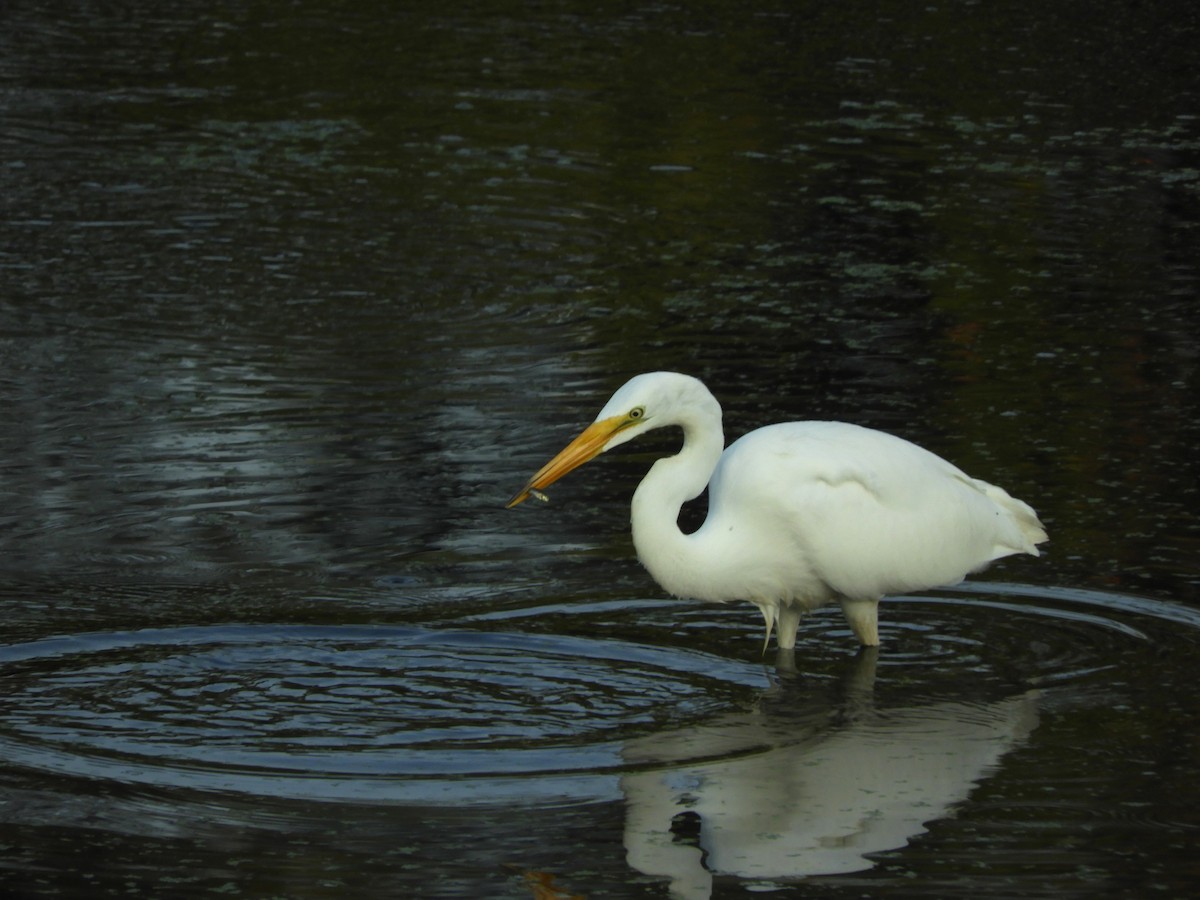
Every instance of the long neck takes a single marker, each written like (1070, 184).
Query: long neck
(673, 558)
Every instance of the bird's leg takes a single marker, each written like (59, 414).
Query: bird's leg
(863, 616)
(789, 624)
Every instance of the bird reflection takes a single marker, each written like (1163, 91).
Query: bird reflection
(826, 787)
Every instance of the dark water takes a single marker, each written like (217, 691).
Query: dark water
(293, 297)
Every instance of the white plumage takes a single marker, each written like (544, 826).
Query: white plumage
(800, 513)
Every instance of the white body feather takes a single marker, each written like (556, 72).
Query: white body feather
(803, 513)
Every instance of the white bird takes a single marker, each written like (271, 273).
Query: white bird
(799, 513)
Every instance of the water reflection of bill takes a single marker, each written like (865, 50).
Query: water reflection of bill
(819, 796)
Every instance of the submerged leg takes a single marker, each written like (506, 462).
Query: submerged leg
(788, 616)
(789, 623)
(863, 616)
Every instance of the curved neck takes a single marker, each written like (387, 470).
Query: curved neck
(673, 558)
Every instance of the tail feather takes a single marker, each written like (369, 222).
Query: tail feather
(1027, 531)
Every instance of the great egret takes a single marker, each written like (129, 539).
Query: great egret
(799, 513)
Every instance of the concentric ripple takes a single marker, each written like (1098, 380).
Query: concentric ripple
(465, 715)
(349, 711)
(1051, 636)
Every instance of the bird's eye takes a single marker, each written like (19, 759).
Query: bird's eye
(637, 412)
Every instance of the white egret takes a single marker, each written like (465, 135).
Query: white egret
(799, 513)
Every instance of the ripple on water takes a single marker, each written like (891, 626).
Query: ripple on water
(458, 714)
(351, 712)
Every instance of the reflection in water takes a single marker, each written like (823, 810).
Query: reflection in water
(822, 796)
(415, 744)
(291, 293)
(419, 718)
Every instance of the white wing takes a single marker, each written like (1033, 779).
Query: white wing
(865, 512)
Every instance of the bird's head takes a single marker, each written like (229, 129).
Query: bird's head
(643, 403)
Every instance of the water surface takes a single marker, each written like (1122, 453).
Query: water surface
(292, 300)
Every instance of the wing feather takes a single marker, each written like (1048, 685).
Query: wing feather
(868, 513)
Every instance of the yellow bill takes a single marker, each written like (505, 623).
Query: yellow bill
(588, 445)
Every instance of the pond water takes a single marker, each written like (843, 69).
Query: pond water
(293, 299)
